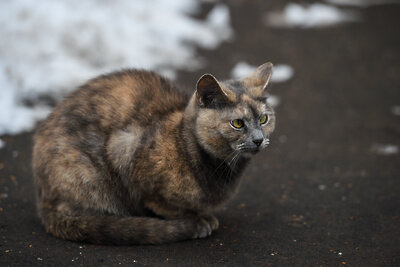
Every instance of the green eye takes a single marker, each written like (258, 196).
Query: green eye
(237, 123)
(263, 119)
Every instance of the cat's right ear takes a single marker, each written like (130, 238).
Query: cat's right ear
(209, 92)
(258, 80)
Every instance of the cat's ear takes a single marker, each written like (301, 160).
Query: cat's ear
(210, 93)
(256, 83)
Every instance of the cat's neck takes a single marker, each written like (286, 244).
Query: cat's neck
(218, 177)
(187, 131)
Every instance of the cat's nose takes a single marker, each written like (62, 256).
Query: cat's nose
(258, 142)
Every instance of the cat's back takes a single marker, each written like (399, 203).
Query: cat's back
(112, 101)
(85, 120)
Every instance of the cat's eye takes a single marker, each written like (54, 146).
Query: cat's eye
(237, 123)
(264, 119)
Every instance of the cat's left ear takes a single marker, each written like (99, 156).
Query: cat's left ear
(256, 83)
(210, 93)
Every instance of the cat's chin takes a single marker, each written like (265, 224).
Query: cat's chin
(249, 153)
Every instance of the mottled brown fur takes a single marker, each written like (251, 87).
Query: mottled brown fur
(129, 159)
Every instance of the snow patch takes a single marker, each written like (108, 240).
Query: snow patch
(281, 72)
(219, 20)
(273, 100)
(241, 70)
(1, 144)
(14, 116)
(362, 3)
(310, 16)
(49, 47)
(382, 149)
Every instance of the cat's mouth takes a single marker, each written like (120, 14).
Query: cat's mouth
(254, 150)
(250, 149)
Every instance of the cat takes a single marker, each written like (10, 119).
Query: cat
(128, 158)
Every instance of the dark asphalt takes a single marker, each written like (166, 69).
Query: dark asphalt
(318, 196)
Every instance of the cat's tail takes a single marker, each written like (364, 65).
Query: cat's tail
(116, 230)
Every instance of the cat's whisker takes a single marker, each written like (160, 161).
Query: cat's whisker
(230, 166)
(235, 160)
(224, 161)
(234, 157)
(241, 147)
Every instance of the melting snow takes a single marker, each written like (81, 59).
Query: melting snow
(273, 100)
(1, 144)
(241, 70)
(281, 72)
(381, 149)
(50, 47)
(309, 16)
(14, 116)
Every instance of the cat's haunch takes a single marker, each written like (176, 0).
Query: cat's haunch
(130, 159)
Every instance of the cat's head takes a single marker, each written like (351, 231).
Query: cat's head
(234, 116)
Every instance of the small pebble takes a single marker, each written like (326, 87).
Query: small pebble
(395, 110)
(322, 187)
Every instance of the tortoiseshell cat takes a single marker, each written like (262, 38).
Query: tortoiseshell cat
(129, 159)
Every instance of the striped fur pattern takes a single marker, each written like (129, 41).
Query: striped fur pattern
(128, 158)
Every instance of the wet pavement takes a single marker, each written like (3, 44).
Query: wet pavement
(325, 193)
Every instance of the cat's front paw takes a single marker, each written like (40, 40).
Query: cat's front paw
(202, 228)
(212, 220)
(205, 224)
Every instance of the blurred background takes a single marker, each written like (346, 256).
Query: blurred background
(327, 190)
